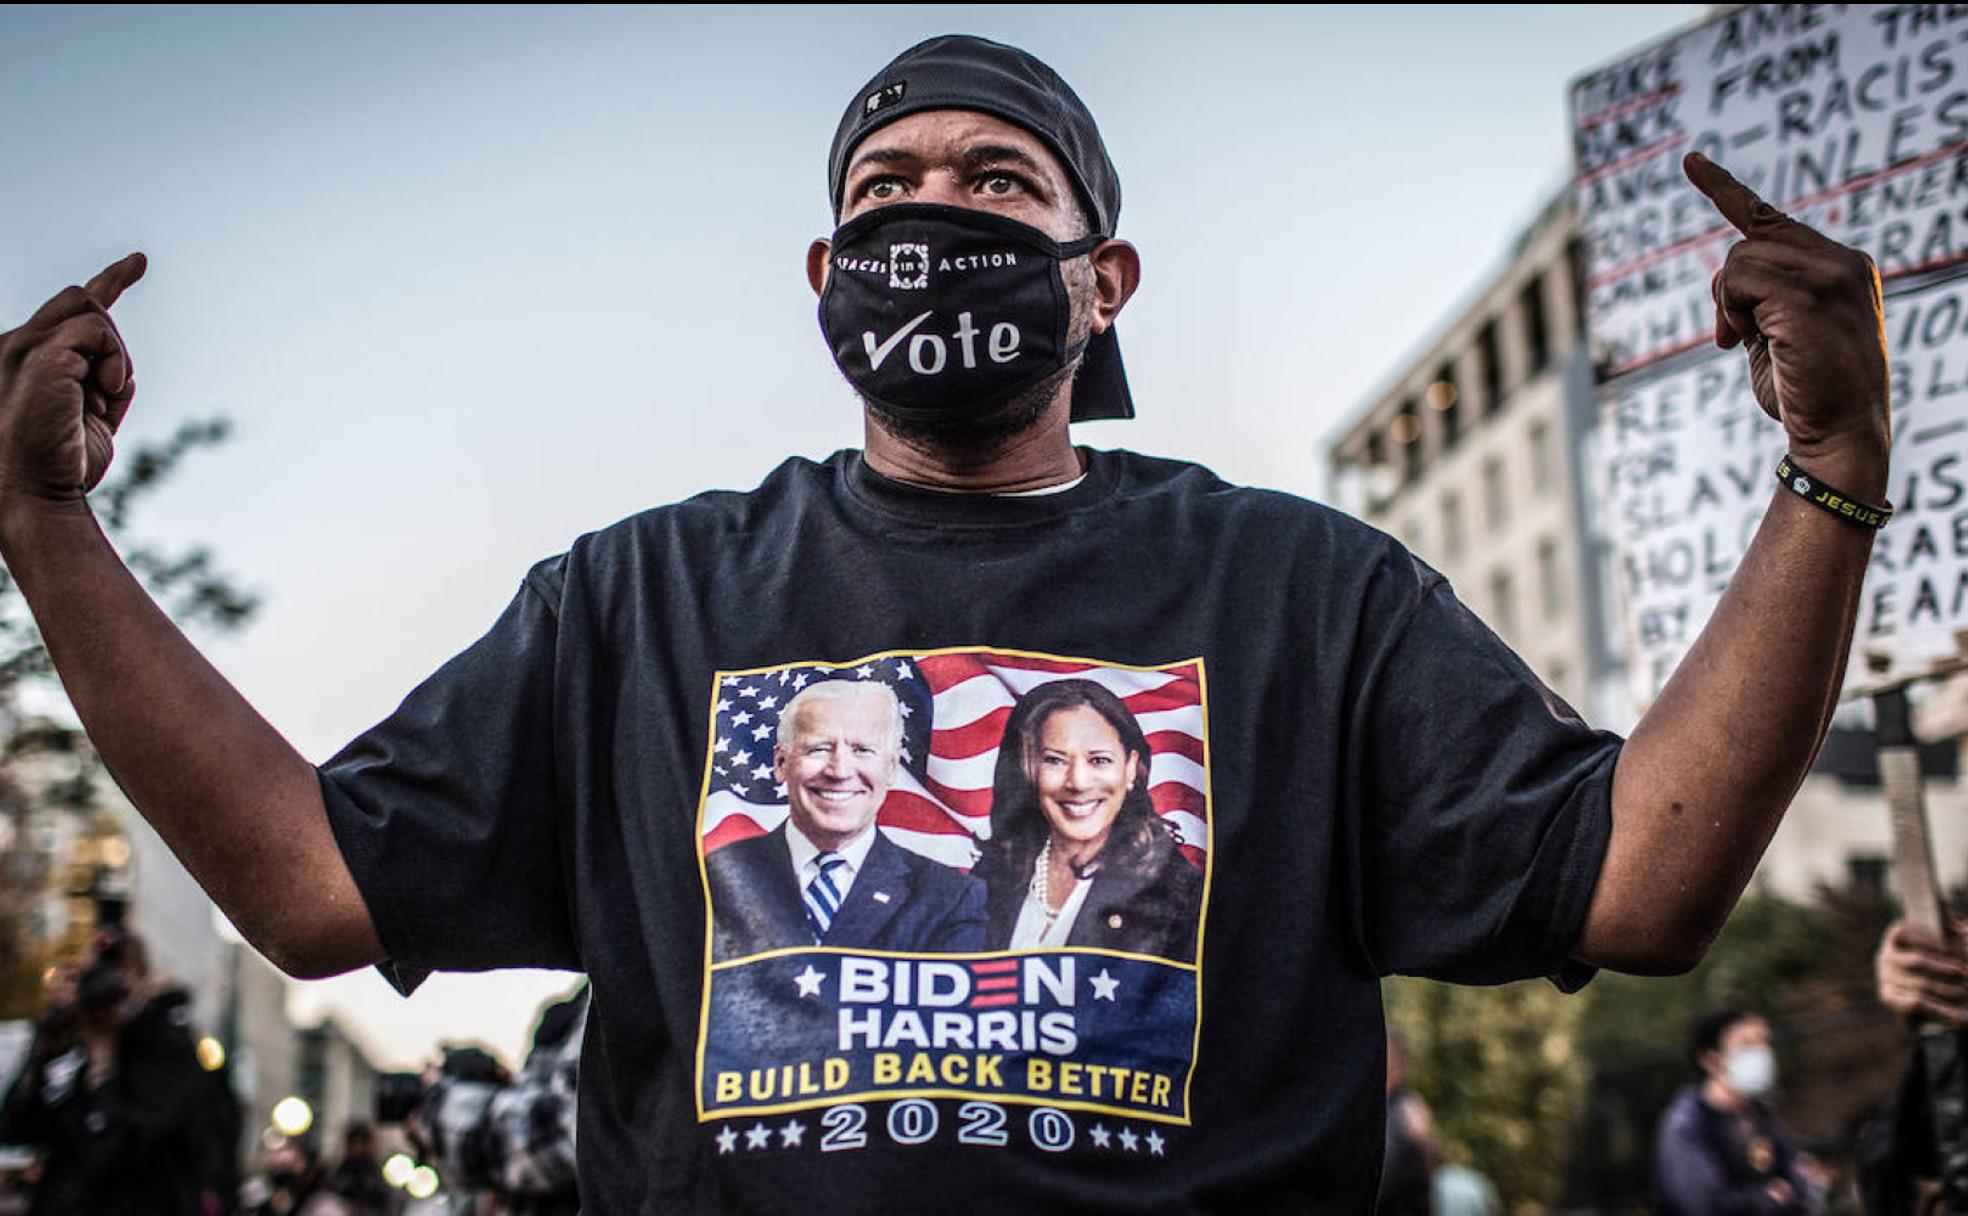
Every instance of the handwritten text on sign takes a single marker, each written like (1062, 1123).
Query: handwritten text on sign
(1853, 118)
(1689, 461)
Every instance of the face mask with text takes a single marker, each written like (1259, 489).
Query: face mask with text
(938, 312)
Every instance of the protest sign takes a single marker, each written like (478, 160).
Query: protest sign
(1686, 459)
(1855, 120)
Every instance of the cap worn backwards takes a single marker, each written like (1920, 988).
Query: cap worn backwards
(962, 72)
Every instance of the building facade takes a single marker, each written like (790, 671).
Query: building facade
(1475, 457)
(1468, 458)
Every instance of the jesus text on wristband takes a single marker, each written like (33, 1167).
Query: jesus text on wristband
(1839, 503)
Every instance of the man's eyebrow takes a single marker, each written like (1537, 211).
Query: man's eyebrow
(881, 156)
(987, 154)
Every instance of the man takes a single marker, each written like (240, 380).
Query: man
(1719, 1149)
(1389, 789)
(826, 876)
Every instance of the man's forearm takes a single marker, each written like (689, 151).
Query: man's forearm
(1705, 778)
(240, 807)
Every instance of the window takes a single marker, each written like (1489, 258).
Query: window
(1575, 271)
(1537, 339)
(1447, 404)
(1540, 437)
(1865, 874)
(1492, 368)
(1376, 471)
(1407, 438)
(1451, 526)
(1551, 591)
(1495, 507)
(1503, 609)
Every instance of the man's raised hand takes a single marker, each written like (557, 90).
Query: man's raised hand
(1808, 311)
(65, 384)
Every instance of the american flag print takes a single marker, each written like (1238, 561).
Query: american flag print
(954, 705)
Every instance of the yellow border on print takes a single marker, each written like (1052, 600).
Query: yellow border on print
(704, 879)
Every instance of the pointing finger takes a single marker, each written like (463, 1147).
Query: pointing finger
(1744, 208)
(116, 278)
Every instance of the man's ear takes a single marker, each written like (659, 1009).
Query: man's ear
(816, 263)
(1116, 273)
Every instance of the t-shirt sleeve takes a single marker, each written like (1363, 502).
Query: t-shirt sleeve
(1484, 802)
(447, 812)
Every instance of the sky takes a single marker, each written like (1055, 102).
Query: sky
(470, 283)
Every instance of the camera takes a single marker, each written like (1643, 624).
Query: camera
(397, 1094)
(400, 1093)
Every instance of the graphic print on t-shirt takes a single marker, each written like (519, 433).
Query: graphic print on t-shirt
(965, 873)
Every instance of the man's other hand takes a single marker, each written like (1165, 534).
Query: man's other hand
(1921, 979)
(65, 384)
(1809, 313)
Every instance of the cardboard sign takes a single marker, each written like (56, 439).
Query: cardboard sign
(1686, 461)
(1854, 118)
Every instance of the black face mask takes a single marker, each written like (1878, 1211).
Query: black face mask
(937, 312)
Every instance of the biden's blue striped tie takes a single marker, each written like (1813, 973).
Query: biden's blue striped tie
(823, 898)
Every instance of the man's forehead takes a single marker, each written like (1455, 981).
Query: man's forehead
(952, 133)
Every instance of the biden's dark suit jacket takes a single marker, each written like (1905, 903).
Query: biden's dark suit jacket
(899, 901)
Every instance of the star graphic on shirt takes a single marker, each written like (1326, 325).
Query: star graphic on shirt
(723, 705)
(748, 691)
(1155, 1143)
(780, 789)
(727, 1140)
(906, 711)
(864, 671)
(790, 1135)
(1102, 1138)
(721, 745)
(740, 758)
(902, 671)
(762, 771)
(1104, 986)
(762, 731)
(809, 981)
(760, 1136)
(801, 680)
(1129, 1140)
(769, 702)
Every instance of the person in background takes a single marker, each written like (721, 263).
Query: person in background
(1720, 1151)
(514, 1137)
(295, 1185)
(112, 1093)
(1924, 980)
(358, 1176)
(1408, 1165)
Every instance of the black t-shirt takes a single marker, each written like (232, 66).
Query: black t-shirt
(1367, 780)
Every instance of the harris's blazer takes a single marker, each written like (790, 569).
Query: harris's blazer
(900, 900)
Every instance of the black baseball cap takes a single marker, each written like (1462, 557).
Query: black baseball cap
(963, 72)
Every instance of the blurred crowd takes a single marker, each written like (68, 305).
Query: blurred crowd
(1719, 1148)
(124, 1113)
